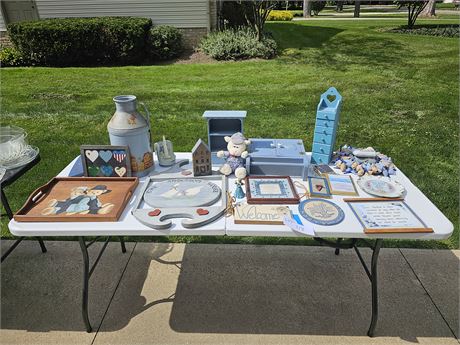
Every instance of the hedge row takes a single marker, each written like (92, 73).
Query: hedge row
(93, 41)
(281, 16)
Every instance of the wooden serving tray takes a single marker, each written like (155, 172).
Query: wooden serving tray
(78, 199)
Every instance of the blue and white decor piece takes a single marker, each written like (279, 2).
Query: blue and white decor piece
(327, 120)
(321, 212)
(277, 157)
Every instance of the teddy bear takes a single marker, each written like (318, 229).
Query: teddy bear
(235, 156)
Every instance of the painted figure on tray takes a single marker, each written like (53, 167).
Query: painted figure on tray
(82, 200)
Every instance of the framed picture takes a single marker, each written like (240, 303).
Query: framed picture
(341, 185)
(323, 169)
(270, 190)
(318, 187)
(379, 216)
(105, 161)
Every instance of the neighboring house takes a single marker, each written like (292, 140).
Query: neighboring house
(195, 17)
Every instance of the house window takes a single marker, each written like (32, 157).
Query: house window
(202, 160)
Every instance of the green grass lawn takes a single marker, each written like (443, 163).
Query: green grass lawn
(400, 96)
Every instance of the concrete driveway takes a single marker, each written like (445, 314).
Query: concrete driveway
(227, 294)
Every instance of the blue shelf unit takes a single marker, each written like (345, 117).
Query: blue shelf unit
(222, 123)
(327, 121)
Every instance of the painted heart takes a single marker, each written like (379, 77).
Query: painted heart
(119, 155)
(186, 172)
(121, 171)
(93, 170)
(202, 212)
(319, 187)
(107, 170)
(105, 155)
(154, 213)
(91, 155)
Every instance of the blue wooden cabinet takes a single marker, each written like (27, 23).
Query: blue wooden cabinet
(277, 157)
(327, 120)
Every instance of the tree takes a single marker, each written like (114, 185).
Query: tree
(317, 6)
(256, 13)
(357, 8)
(339, 6)
(307, 8)
(430, 9)
(414, 8)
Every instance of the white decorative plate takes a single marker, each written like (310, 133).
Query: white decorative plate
(381, 186)
(27, 156)
(186, 192)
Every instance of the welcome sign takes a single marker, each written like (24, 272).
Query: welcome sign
(260, 214)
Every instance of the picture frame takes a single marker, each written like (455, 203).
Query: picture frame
(386, 216)
(105, 161)
(341, 184)
(319, 187)
(270, 190)
(323, 169)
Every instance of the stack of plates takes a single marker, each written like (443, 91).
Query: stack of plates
(14, 150)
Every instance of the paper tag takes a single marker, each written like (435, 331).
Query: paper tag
(306, 229)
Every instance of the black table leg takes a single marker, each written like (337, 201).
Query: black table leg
(9, 213)
(6, 205)
(337, 249)
(122, 242)
(373, 277)
(84, 306)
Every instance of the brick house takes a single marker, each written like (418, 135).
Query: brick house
(195, 17)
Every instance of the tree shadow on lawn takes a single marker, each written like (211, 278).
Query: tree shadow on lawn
(320, 46)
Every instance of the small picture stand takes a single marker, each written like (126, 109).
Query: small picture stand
(341, 184)
(386, 216)
(319, 187)
(105, 161)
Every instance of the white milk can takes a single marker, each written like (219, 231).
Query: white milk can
(128, 127)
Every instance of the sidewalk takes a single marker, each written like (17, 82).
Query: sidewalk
(227, 294)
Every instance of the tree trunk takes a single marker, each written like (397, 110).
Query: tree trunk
(357, 8)
(307, 8)
(430, 9)
(339, 7)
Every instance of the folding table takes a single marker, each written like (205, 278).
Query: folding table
(347, 232)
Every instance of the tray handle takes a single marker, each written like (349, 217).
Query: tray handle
(36, 196)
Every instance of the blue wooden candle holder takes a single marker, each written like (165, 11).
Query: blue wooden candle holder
(327, 120)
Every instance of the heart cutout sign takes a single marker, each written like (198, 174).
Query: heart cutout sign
(154, 213)
(105, 155)
(121, 171)
(92, 155)
(202, 212)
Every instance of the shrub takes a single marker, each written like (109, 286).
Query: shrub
(10, 57)
(317, 6)
(165, 42)
(430, 30)
(81, 41)
(280, 16)
(237, 44)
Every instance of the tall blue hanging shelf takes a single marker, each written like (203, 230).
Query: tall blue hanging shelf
(327, 120)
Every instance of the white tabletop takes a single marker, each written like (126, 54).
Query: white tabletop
(348, 228)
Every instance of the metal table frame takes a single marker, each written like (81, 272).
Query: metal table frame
(11, 176)
(339, 244)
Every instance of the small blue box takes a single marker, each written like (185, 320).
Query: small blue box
(277, 157)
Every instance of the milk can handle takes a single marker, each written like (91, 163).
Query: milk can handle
(147, 118)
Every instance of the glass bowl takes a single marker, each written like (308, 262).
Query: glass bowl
(12, 143)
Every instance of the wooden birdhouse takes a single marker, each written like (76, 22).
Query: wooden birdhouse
(201, 159)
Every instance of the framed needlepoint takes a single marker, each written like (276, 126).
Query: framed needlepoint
(271, 190)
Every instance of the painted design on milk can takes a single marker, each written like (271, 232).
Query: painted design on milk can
(128, 127)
